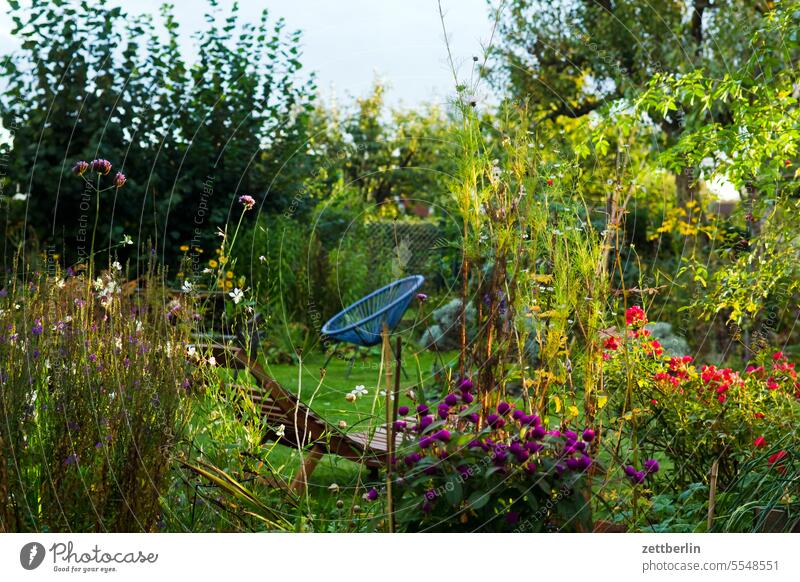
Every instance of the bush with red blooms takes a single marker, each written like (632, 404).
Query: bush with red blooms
(695, 414)
(511, 474)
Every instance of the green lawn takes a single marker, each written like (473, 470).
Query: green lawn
(326, 397)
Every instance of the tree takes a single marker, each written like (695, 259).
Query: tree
(91, 82)
(571, 58)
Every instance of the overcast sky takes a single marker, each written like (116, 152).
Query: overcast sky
(348, 42)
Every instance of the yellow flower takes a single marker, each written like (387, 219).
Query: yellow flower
(213, 264)
(223, 260)
(229, 275)
(228, 284)
(184, 248)
(198, 250)
(218, 251)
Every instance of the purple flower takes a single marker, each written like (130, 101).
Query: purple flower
(421, 297)
(495, 421)
(467, 397)
(372, 494)
(650, 466)
(37, 327)
(531, 420)
(412, 459)
(79, 169)
(629, 470)
(512, 517)
(101, 166)
(403, 410)
(425, 422)
(71, 460)
(422, 409)
(518, 414)
(247, 201)
(443, 435)
(503, 408)
(588, 435)
(465, 385)
(639, 477)
(444, 411)
(3, 292)
(533, 446)
(572, 463)
(426, 507)
(451, 400)
(579, 446)
(570, 436)
(425, 442)
(538, 432)
(585, 462)
(119, 180)
(530, 468)
(472, 417)
(399, 425)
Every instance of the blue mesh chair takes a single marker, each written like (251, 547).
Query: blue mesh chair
(362, 322)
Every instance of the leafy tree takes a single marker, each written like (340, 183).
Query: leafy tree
(571, 58)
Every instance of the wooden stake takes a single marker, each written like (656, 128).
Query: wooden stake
(387, 364)
(712, 492)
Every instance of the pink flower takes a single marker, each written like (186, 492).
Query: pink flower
(119, 180)
(79, 169)
(248, 201)
(101, 166)
(760, 442)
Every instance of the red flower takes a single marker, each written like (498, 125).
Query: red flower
(759, 415)
(635, 316)
(549, 182)
(777, 356)
(760, 442)
(772, 384)
(611, 343)
(776, 461)
(657, 349)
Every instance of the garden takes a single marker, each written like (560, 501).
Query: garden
(229, 305)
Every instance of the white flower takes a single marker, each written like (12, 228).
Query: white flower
(126, 240)
(236, 295)
(191, 351)
(333, 487)
(350, 397)
(212, 361)
(98, 284)
(359, 391)
(116, 266)
(60, 283)
(206, 271)
(262, 258)
(187, 287)
(280, 431)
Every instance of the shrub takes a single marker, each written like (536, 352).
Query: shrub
(697, 415)
(509, 474)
